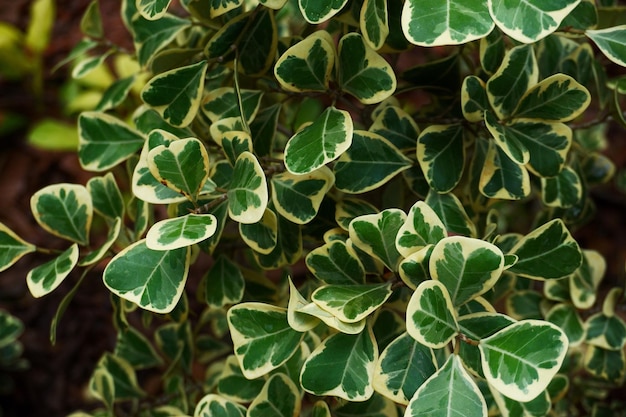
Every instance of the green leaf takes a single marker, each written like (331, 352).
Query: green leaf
(89, 64)
(288, 245)
(124, 377)
(330, 320)
(397, 126)
(133, 347)
(96, 255)
(351, 303)
(431, 315)
(150, 36)
(441, 155)
(263, 129)
(224, 283)
(45, 278)
(475, 327)
(152, 9)
(414, 269)
(65, 210)
(91, 22)
(212, 405)
(376, 235)
(280, 397)
(611, 42)
(261, 236)
(545, 143)
(350, 208)
(234, 385)
(51, 134)
(606, 364)
(563, 190)
(219, 45)
(537, 407)
(376, 406)
(548, 252)
(558, 98)
(528, 21)
(362, 72)
(373, 21)
(342, 366)
(502, 177)
(262, 337)
(507, 139)
(12, 247)
(298, 197)
(370, 162)
(154, 280)
(421, 228)
(320, 409)
(467, 267)
(525, 304)
(521, 371)
(223, 102)
(450, 391)
(247, 193)
(176, 94)
(307, 65)
(606, 332)
(584, 282)
(492, 50)
(336, 263)
(583, 17)
(182, 165)
(315, 11)
(517, 73)
(451, 212)
(106, 196)
(444, 22)
(297, 320)
(104, 141)
(144, 185)
(181, 231)
(317, 144)
(566, 317)
(402, 368)
(474, 99)
(258, 44)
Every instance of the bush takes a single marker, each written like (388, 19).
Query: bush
(382, 190)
